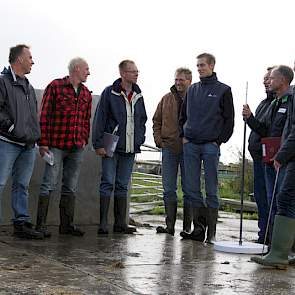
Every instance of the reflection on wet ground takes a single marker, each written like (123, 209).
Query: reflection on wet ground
(145, 263)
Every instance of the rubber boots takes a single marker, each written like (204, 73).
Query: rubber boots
(212, 215)
(171, 210)
(67, 209)
(198, 234)
(43, 204)
(104, 210)
(282, 241)
(120, 225)
(187, 217)
(291, 256)
(24, 230)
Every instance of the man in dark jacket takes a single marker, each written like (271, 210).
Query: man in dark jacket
(255, 150)
(120, 110)
(166, 136)
(272, 125)
(206, 121)
(284, 223)
(19, 130)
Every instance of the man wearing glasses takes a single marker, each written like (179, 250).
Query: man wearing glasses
(120, 109)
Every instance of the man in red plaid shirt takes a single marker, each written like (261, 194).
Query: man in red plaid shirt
(65, 125)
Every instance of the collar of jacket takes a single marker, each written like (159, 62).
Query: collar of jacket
(209, 80)
(285, 96)
(116, 87)
(67, 82)
(175, 93)
(12, 77)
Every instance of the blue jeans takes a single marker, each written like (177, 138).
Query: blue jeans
(286, 196)
(260, 197)
(70, 162)
(170, 164)
(116, 171)
(270, 176)
(17, 161)
(194, 155)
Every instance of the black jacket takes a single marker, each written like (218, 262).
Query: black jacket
(286, 152)
(254, 140)
(207, 113)
(274, 120)
(18, 109)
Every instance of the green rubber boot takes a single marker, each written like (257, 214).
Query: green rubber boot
(281, 244)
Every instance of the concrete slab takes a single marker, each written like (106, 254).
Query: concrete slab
(145, 263)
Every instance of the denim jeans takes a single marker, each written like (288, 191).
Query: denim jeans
(17, 161)
(270, 176)
(70, 163)
(116, 171)
(286, 196)
(170, 165)
(260, 197)
(194, 155)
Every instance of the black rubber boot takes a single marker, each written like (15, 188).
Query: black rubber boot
(120, 225)
(43, 204)
(171, 210)
(198, 234)
(187, 217)
(211, 221)
(25, 230)
(103, 211)
(67, 209)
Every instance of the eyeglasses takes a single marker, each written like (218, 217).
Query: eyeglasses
(132, 72)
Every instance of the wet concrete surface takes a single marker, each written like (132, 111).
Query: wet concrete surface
(145, 263)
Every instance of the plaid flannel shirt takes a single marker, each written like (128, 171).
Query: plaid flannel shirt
(65, 115)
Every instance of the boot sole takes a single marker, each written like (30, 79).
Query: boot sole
(269, 264)
(28, 236)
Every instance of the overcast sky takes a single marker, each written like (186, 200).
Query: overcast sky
(245, 36)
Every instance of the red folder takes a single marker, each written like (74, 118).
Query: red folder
(270, 146)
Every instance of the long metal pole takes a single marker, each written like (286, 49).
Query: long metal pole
(243, 175)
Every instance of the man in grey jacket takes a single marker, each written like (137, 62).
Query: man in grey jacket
(19, 130)
(206, 121)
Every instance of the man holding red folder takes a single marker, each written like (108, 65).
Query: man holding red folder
(284, 224)
(272, 125)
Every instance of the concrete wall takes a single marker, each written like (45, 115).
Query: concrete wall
(87, 201)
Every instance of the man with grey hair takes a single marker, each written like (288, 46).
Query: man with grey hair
(65, 126)
(166, 136)
(19, 130)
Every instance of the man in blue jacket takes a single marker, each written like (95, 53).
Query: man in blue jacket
(19, 131)
(206, 121)
(121, 108)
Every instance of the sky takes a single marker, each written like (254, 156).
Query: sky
(159, 35)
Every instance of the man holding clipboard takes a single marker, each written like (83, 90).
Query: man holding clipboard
(121, 107)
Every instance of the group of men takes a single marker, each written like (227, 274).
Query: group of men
(62, 131)
(190, 124)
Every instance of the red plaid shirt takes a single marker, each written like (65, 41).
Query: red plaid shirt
(65, 115)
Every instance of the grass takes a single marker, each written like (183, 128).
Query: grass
(227, 189)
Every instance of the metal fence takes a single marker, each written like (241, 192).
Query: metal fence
(147, 190)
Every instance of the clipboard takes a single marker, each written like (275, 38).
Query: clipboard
(110, 141)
